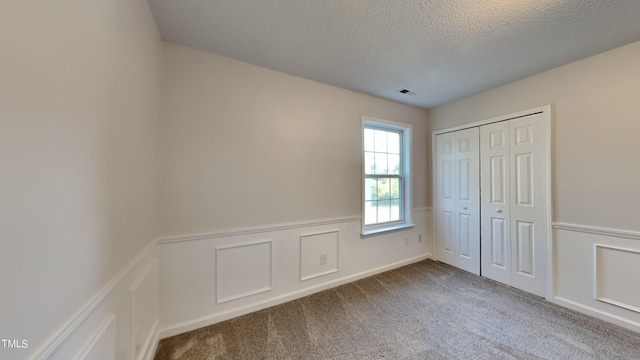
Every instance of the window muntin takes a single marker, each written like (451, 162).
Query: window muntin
(384, 179)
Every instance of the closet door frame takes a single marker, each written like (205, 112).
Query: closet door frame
(546, 110)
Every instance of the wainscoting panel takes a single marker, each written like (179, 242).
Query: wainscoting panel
(144, 310)
(612, 265)
(318, 254)
(102, 344)
(120, 321)
(208, 278)
(596, 271)
(243, 270)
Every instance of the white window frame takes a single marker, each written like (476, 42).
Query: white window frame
(407, 158)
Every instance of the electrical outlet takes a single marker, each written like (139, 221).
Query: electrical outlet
(406, 241)
(323, 259)
(419, 238)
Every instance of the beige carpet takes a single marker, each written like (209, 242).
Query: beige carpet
(427, 310)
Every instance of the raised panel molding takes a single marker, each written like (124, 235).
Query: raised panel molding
(145, 311)
(497, 175)
(526, 252)
(463, 179)
(358, 257)
(447, 221)
(523, 135)
(524, 172)
(446, 147)
(497, 139)
(102, 344)
(463, 234)
(611, 265)
(447, 175)
(498, 243)
(243, 270)
(595, 272)
(68, 332)
(312, 248)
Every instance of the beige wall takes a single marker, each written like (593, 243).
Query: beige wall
(595, 129)
(78, 132)
(245, 146)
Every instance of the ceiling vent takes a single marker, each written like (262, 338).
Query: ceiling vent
(407, 92)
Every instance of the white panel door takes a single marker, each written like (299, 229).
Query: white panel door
(468, 200)
(446, 201)
(514, 202)
(458, 199)
(528, 210)
(494, 160)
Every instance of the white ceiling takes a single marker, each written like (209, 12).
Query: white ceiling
(442, 49)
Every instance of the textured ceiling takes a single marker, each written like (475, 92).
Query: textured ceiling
(442, 49)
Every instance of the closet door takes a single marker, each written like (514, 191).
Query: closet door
(514, 202)
(529, 189)
(458, 201)
(446, 201)
(468, 199)
(494, 160)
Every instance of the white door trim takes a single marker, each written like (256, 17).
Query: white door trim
(545, 109)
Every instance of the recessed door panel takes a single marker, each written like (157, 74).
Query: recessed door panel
(463, 179)
(497, 179)
(447, 179)
(524, 174)
(498, 243)
(525, 248)
(449, 231)
(464, 238)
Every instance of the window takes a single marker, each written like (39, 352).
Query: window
(386, 178)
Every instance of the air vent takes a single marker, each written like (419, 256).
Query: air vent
(407, 92)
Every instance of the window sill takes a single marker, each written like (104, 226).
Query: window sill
(386, 229)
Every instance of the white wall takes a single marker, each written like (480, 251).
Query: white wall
(595, 130)
(79, 99)
(594, 166)
(246, 146)
(247, 152)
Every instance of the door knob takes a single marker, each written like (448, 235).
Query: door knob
(464, 208)
(498, 211)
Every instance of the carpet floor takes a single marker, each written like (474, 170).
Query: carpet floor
(426, 310)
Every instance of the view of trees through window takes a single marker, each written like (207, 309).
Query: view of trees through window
(383, 175)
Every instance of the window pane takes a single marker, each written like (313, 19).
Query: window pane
(369, 164)
(383, 188)
(394, 188)
(394, 164)
(368, 140)
(370, 189)
(395, 210)
(393, 143)
(384, 210)
(381, 163)
(380, 141)
(370, 212)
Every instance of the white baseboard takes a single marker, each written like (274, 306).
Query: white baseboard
(595, 272)
(226, 315)
(598, 314)
(153, 346)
